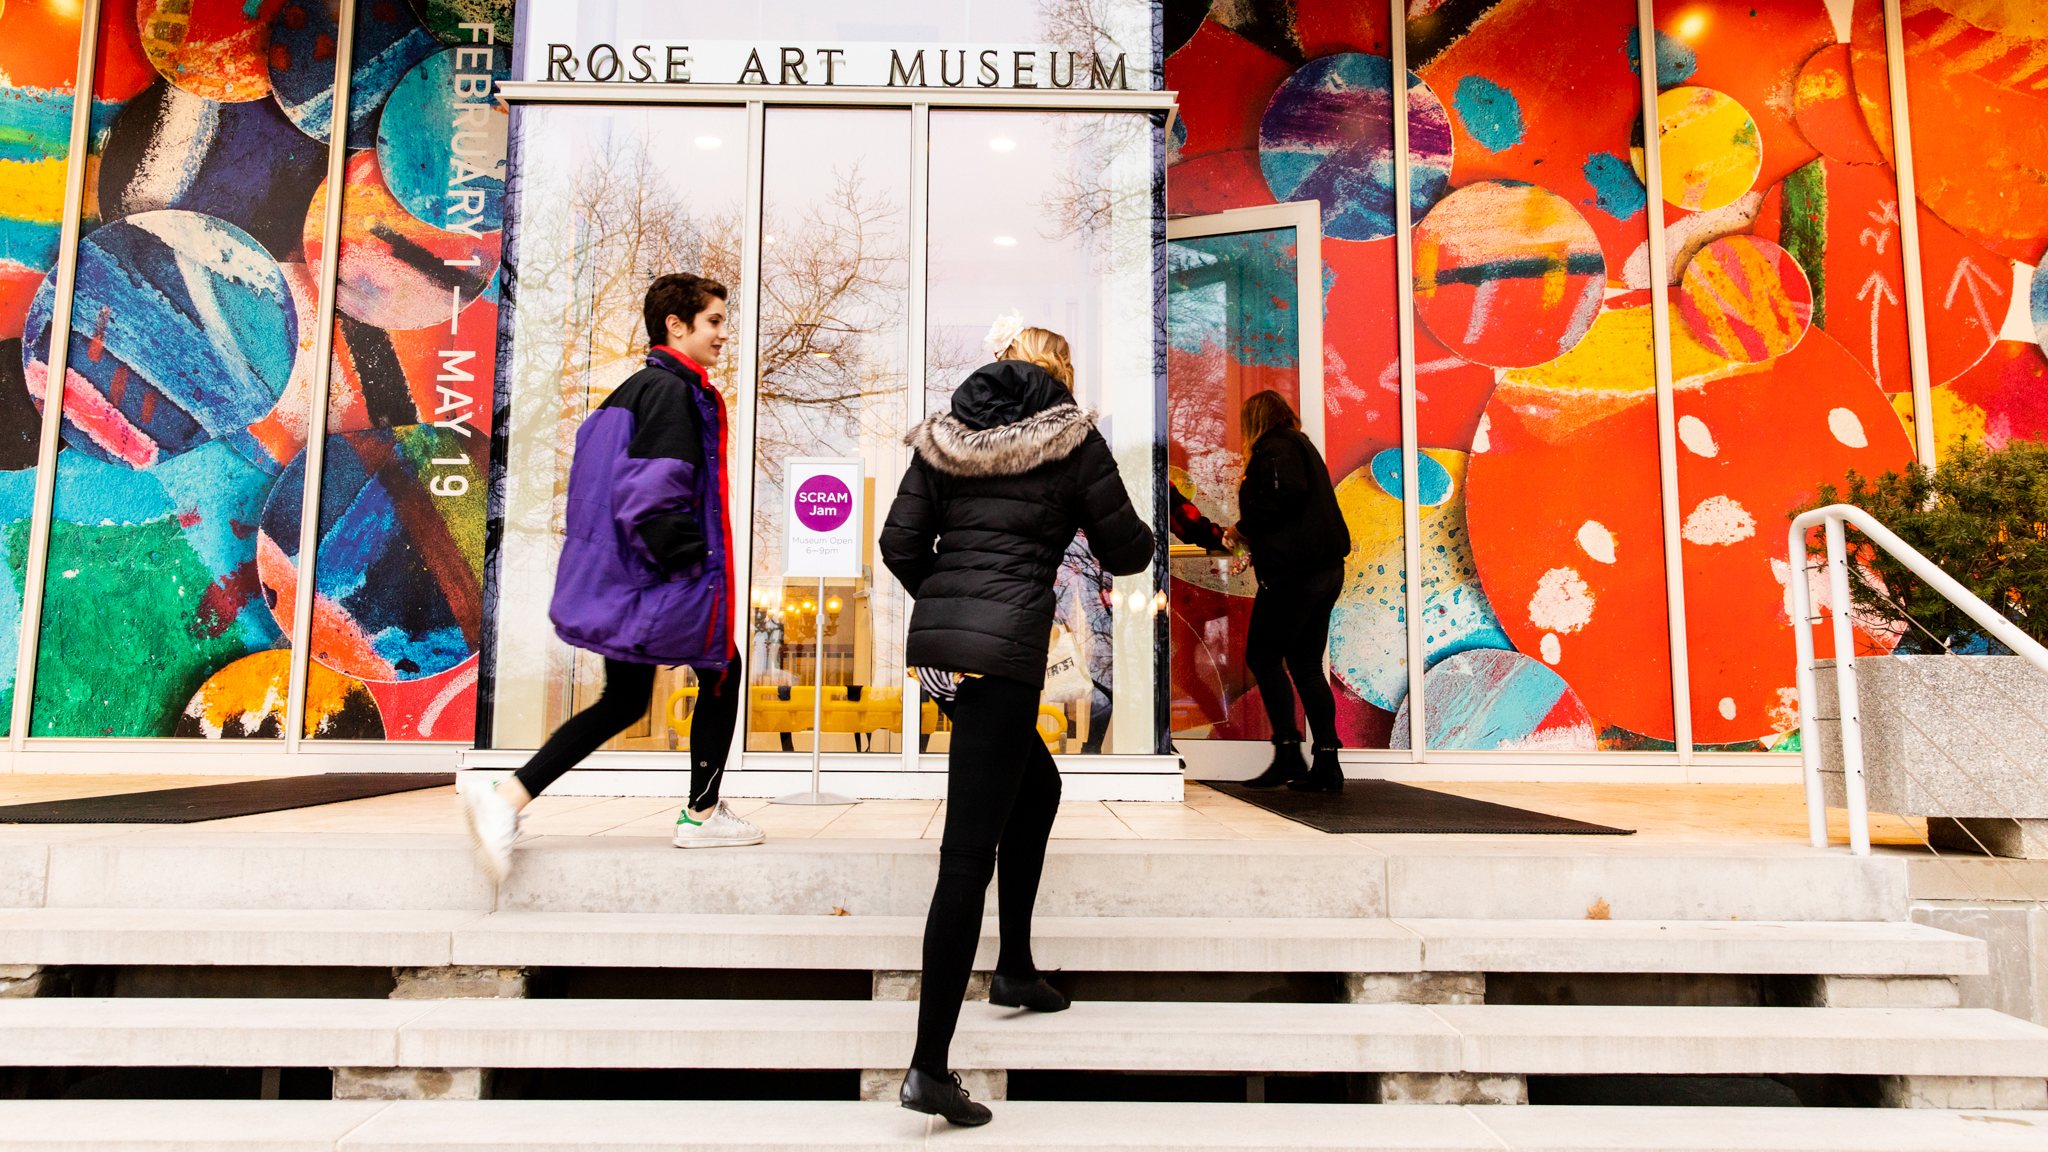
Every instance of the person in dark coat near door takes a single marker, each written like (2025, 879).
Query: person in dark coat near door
(1288, 517)
(998, 487)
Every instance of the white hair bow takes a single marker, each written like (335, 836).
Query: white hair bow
(1002, 333)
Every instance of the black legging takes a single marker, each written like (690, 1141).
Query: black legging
(1002, 789)
(624, 701)
(1290, 628)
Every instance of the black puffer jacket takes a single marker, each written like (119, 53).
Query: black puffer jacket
(996, 491)
(1287, 509)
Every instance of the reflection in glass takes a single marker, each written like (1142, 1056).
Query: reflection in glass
(1232, 330)
(1056, 223)
(835, 287)
(609, 199)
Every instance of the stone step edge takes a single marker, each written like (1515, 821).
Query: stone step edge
(1055, 1126)
(1501, 1039)
(629, 939)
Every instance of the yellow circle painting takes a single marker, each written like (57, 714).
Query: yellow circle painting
(1710, 148)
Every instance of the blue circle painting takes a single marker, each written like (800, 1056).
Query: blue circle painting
(1328, 135)
(183, 331)
(441, 142)
(389, 40)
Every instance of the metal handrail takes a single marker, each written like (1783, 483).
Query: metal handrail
(1834, 516)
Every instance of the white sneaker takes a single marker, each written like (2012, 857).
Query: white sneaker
(722, 829)
(493, 825)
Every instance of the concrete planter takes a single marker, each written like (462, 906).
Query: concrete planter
(1961, 740)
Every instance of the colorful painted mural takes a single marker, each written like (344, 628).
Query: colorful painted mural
(398, 585)
(1542, 512)
(188, 321)
(181, 474)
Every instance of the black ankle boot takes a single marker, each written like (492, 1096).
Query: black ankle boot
(1325, 775)
(941, 1096)
(1022, 992)
(1287, 765)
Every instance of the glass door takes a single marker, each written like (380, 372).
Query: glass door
(1235, 326)
(1051, 217)
(830, 380)
(607, 199)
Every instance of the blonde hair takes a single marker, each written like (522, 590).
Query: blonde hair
(1263, 412)
(1046, 349)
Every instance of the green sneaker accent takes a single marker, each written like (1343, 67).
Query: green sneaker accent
(683, 817)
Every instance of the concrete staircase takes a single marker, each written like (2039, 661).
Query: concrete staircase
(1450, 974)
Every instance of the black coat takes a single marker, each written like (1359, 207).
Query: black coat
(1287, 509)
(995, 492)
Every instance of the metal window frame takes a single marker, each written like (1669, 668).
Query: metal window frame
(1411, 430)
(37, 571)
(1667, 419)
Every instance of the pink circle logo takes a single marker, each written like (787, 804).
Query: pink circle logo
(823, 503)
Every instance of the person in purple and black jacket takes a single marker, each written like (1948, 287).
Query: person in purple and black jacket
(646, 574)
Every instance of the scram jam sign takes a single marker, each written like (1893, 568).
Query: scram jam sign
(851, 64)
(822, 534)
(823, 503)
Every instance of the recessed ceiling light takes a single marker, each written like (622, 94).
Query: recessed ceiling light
(1006, 241)
(1002, 145)
(709, 142)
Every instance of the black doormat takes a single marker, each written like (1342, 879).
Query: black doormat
(220, 801)
(1384, 806)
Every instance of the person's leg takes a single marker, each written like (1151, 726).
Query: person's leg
(1020, 860)
(624, 700)
(992, 730)
(1276, 618)
(1268, 638)
(711, 731)
(1305, 657)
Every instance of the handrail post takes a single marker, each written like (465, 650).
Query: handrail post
(1798, 583)
(1845, 687)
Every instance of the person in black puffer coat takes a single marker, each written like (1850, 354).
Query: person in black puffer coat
(997, 489)
(1288, 517)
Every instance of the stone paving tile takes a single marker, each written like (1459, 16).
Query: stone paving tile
(1767, 816)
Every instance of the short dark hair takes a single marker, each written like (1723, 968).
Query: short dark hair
(680, 295)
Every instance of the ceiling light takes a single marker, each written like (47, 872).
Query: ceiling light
(709, 142)
(1007, 241)
(1002, 145)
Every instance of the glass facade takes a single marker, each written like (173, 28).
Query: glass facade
(217, 488)
(611, 198)
(1051, 218)
(831, 380)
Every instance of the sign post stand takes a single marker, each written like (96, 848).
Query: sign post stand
(821, 537)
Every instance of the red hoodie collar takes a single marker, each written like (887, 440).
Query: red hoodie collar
(681, 359)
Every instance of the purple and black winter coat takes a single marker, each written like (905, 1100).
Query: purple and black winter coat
(646, 572)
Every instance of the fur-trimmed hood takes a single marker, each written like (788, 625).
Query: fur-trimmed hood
(950, 445)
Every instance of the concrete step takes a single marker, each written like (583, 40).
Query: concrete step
(1053, 1126)
(1102, 1035)
(1125, 944)
(1557, 877)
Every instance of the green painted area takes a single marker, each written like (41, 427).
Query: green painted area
(1803, 230)
(420, 445)
(124, 644)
